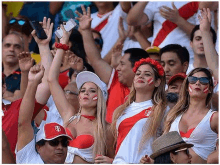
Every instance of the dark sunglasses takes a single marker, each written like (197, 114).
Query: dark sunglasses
(202, 80)
(19, 21)
(186, 150)
(56, 142)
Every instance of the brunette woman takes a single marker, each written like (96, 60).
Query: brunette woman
(192, 118)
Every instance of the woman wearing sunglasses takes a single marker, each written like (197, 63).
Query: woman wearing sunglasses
(138, 121)
(192, 118)
(87, 128)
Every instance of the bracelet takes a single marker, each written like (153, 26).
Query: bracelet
(61, 46)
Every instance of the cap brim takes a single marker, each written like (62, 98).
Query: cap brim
(170, 148)
(174, 78)
(87, 76)
(59, 136)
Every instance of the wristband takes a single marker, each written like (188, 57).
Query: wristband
(61, 46)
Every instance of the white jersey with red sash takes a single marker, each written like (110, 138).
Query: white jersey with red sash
(130, 129)
(166, 32)
(107, 25)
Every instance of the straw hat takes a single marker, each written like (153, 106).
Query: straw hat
(168, 142)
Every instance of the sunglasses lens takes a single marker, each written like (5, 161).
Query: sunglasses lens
(54, 142)
(187, 151)
(204, 80)
(12, 21)
(65, 143)
(192, 80)
(21, 22)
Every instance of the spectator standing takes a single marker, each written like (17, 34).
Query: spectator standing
(174, 59)
(192, 118)
(173, 21)
(120, 80)
(134, 124)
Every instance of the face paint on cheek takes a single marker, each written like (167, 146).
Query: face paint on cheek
(190, 89)
(206, 90)
(150, 81)
(80, 98)
(95, 98)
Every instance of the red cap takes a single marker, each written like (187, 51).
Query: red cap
(51, 131)
(176, 76)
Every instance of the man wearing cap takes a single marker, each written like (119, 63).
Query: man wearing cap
(51, 139)
(120, 80)
(174, 86)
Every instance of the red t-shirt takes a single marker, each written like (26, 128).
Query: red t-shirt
(10, 121)
(116, 95)
(63, 78)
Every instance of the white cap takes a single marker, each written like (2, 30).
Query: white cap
(87, 76)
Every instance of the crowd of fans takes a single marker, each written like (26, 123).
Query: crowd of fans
(133, 82)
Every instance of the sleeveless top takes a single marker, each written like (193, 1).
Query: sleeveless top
(201, 136)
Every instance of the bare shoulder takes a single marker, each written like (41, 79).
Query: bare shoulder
(214, 122)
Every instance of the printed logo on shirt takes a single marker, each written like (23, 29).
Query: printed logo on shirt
(57, 128)
(148, 112)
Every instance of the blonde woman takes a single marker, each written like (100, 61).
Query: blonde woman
(138, 120)
(87, 125)
(191, 117)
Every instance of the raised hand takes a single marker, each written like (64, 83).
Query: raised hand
(170, 14)
(25, 61)
(66, 35)
(36, 73)
(48, 28)
(84, 19)
(122, 33)
(205, 20)
(75, 62)
(116, 55)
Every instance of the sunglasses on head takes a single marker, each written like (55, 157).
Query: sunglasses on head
(56, 142)
(186, 150)
(202, 80)
(19, 21)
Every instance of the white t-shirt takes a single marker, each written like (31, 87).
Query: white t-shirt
(110, 31)
(28, 155)
(176, 36)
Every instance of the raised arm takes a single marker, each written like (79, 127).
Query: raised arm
(43, 91)
(25, 63)
(136, 15)
(102, 68)
(65, 109)
(25, 130)
(209, 47)
(173, 16)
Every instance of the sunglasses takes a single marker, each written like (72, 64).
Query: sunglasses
(56, 142)
(70, 92)
(186, 150)
(202, 80)
(19, 21)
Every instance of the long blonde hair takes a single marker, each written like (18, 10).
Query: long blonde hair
(184, 98)
(159, 104)
(99, 132)
(100, 146)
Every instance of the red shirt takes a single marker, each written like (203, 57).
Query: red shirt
(63, 78)
(10, 121)
(116, 95)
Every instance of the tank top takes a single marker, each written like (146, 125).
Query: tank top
(201, 136)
